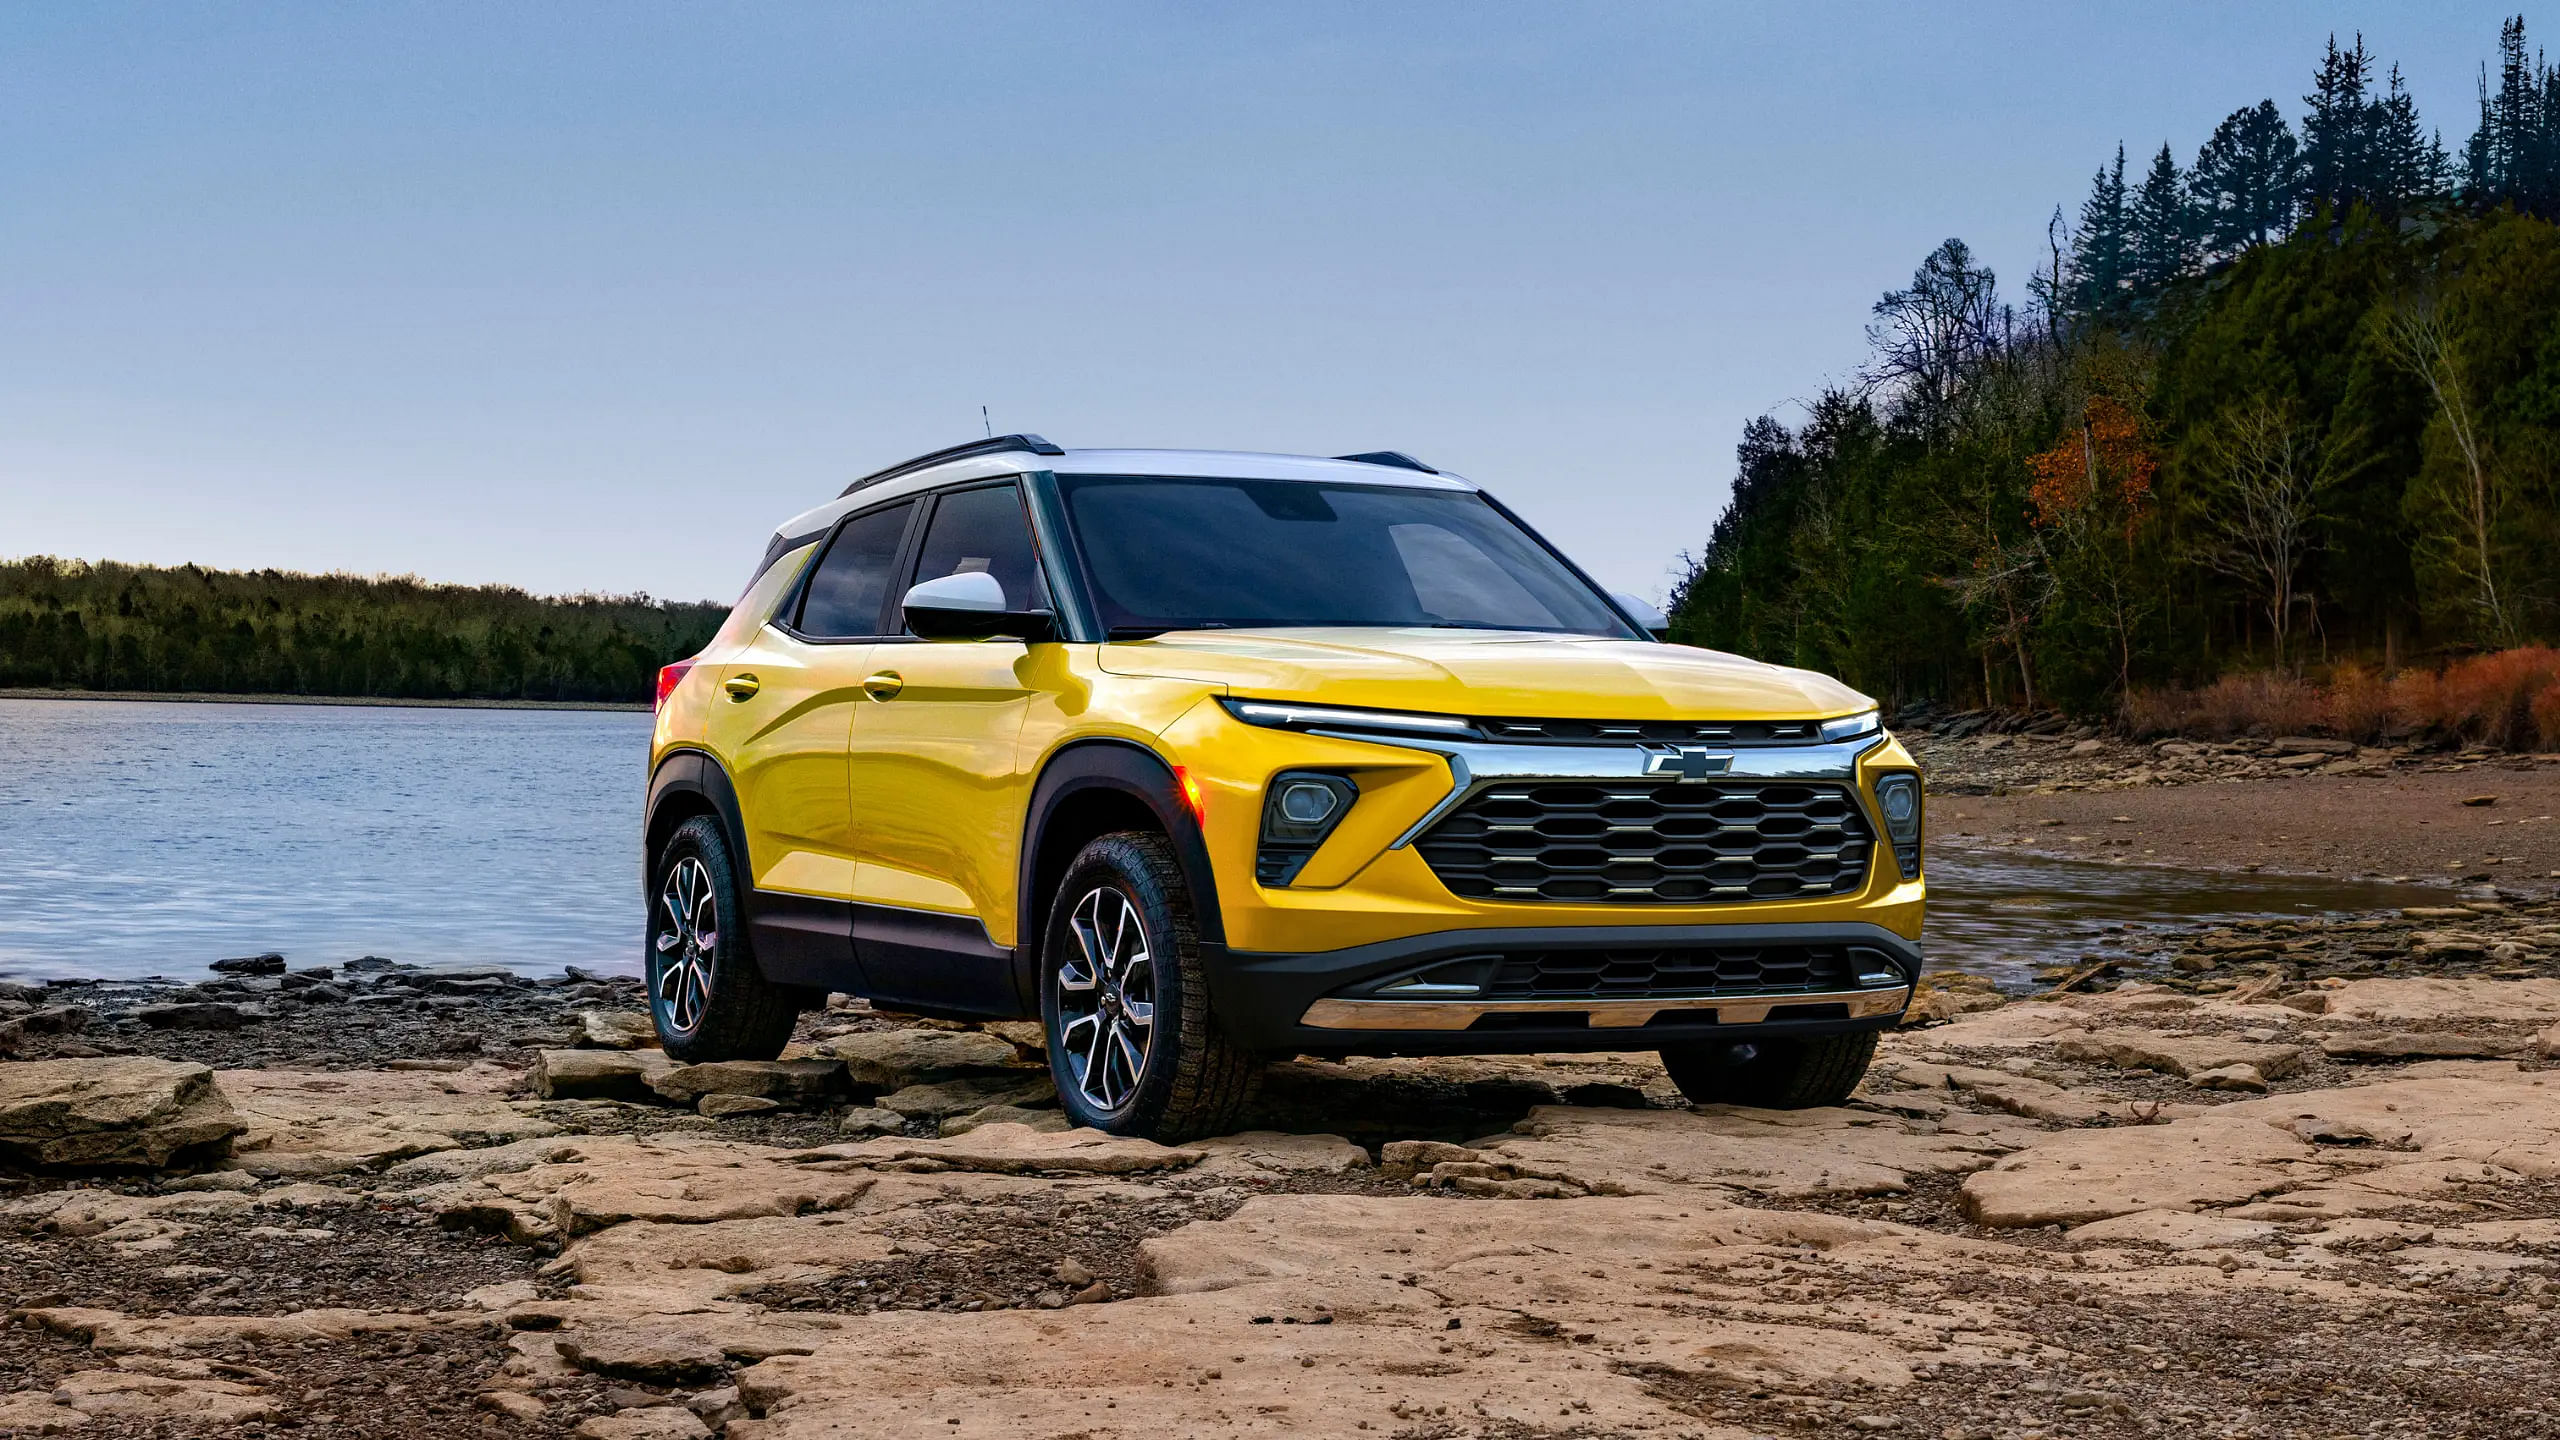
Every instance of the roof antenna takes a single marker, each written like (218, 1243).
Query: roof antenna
(983, 420)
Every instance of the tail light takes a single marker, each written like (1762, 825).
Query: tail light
(669, 676)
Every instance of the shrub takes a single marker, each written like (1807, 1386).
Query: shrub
(2509, 699)
(2488, 699)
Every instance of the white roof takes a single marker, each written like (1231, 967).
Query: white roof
(1208, 464)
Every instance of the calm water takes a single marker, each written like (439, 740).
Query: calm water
(140, 839)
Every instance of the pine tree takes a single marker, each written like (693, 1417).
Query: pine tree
(2160, 241)
(2098, 255)
(2514, 157)
(2337, 136)
(2408, 165)
(2245, 180)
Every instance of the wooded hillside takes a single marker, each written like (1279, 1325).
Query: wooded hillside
(2291, 404)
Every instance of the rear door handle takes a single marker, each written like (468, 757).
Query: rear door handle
(884, 686)
(741, 686)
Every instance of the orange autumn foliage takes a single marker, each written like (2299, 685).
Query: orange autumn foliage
(2104, 458)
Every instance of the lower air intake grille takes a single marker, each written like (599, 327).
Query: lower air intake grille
(1611, 974)
(1651, 843)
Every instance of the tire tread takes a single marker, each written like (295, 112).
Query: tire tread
(748, 1017)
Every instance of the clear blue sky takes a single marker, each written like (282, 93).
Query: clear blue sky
(588, 296)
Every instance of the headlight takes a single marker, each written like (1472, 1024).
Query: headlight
(1298, 812)
(1898, 797)
(1285, 716)
(1850, 727)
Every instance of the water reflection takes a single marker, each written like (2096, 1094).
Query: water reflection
(2002, 913)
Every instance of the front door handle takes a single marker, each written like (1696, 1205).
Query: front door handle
(884, 686)
(741, 686)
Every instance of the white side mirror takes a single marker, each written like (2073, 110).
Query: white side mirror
(976, 591)
(1654, 621)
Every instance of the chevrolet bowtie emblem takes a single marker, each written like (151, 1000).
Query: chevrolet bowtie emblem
(1689, 762)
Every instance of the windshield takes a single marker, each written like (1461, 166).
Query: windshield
(1181, 554)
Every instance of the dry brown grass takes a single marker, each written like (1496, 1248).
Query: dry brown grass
(2507, 700)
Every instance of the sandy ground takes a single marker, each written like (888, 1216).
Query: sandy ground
(2413, 824)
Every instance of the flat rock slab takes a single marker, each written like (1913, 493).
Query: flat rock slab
(113, 1111)
(2078, 1176)
(1009, 1150)
(1324, 1314)
(2418, 1045)
(609, 1180)
(112, 1332)
(959, 1097)
(2511, 1121)
(651, 1422)
(2182, 1055)
(617, 1029)
(202, 1405)
(2401, 1002)
(2175, 1230)
(790, 1081)
(1774, 1153)
(1282, 1153)
(985, 1115)
(307, 1122)
(598, 1074)
(885, 1060)
(685, 1350)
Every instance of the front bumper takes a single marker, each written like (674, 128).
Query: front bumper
(1334, 1002)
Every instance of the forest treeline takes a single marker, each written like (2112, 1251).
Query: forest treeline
(72, 625)
(2290, 406)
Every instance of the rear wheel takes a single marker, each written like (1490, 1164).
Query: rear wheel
(1132, 1044)
(1779, 1073)
(705, 992)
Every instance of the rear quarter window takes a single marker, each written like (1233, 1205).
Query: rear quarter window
(766, 593)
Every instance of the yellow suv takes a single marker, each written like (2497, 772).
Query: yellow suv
(1202, 758)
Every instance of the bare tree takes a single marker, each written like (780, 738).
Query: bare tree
(2417, 336)
(1933, 338)
(2266, 475)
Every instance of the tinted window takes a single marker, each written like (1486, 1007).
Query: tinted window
(1170, 554)
(852, 581)
(984, 531)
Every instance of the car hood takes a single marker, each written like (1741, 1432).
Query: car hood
(1487, 672)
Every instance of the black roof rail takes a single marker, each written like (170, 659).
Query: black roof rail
(998, 445)
(1397, 458)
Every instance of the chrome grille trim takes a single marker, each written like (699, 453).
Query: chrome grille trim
(1651, 843)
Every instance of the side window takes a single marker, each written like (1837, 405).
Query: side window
(983, 530)
(851, 583)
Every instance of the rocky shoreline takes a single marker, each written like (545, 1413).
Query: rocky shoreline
(2287, 1177)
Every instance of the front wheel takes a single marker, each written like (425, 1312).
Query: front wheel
(1779, 1073)
(705, 992)
(1132, 1044)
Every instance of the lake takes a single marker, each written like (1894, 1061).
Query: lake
(150, 838)
(143, 838)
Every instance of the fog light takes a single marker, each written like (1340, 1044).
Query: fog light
(1304, 802)
(1299, 810)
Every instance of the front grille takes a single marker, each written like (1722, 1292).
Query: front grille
(1641, 842)
(1671, 732)
(1640, 973)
